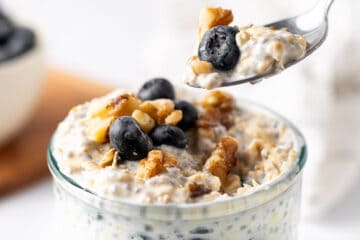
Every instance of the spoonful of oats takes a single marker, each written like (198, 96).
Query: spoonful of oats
(231, 55)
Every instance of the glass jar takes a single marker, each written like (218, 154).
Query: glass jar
(270, 212)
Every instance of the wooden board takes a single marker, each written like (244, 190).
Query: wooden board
(23, 160)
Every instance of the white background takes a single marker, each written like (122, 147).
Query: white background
(125, 42)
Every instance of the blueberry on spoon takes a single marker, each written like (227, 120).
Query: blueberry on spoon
(218, 46)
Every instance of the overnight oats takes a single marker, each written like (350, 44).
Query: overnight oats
(157, 164)
(228, 53)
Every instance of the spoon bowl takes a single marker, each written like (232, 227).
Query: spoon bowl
(312, 25)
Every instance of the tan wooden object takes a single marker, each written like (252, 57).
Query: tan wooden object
(23, 160)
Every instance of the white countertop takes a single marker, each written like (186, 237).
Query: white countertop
(28, 215)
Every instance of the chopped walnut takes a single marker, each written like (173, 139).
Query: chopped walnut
(222, 159)
(164, 107)
(155, 163)
(108, 158)
(174, 117)
(144, 120)
(151, 166)
(233, 183)
(199, 66)
(218, 108)
(169, 160)
(197, 190)
(218, 99)
(211, 17)
(122, 105)
(148, 108)
(98, 128)
(160, 109)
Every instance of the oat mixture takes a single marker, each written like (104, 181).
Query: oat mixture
(155, 148)
(226, 53)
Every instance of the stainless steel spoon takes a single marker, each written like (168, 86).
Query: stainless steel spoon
(312, 25)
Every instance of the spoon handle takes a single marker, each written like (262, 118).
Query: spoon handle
(325, 5)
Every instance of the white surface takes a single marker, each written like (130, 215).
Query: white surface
(28, 215)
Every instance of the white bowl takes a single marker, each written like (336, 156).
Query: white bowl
(20, 84)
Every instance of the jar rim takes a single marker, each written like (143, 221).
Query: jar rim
(192, 211)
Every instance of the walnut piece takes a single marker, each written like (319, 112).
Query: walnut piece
(197, 190)
(144, 120)
(122, 105)
(233, 183)
(223, 158)
(155, 163)
(98, 129)
(199, 66)
(149, 108)
(174, 117)
(218, 108)
(162, 111)
(151, 166)
(211, 17)
(163, 108)
(218, 99)
(108, 158)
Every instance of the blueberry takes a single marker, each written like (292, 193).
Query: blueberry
(21, 41)
(6, 29)
(128, 139)
(218, 46)
(157, 88)
(168, 135)
(190, 114)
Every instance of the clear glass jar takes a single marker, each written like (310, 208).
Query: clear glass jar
(270, 212)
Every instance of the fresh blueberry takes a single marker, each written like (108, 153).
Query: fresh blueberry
(20, 41)
(6, 29)
(128, 139)
(218, 46)
(168, 135)
(157, 88)
(190, 114)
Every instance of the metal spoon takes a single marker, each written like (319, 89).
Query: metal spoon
(312, 25)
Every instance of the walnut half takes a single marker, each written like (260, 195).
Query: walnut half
(218, 108)
(222, 159)
(156, 162)
(211, 17)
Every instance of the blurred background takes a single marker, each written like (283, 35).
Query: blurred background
(123, 43)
